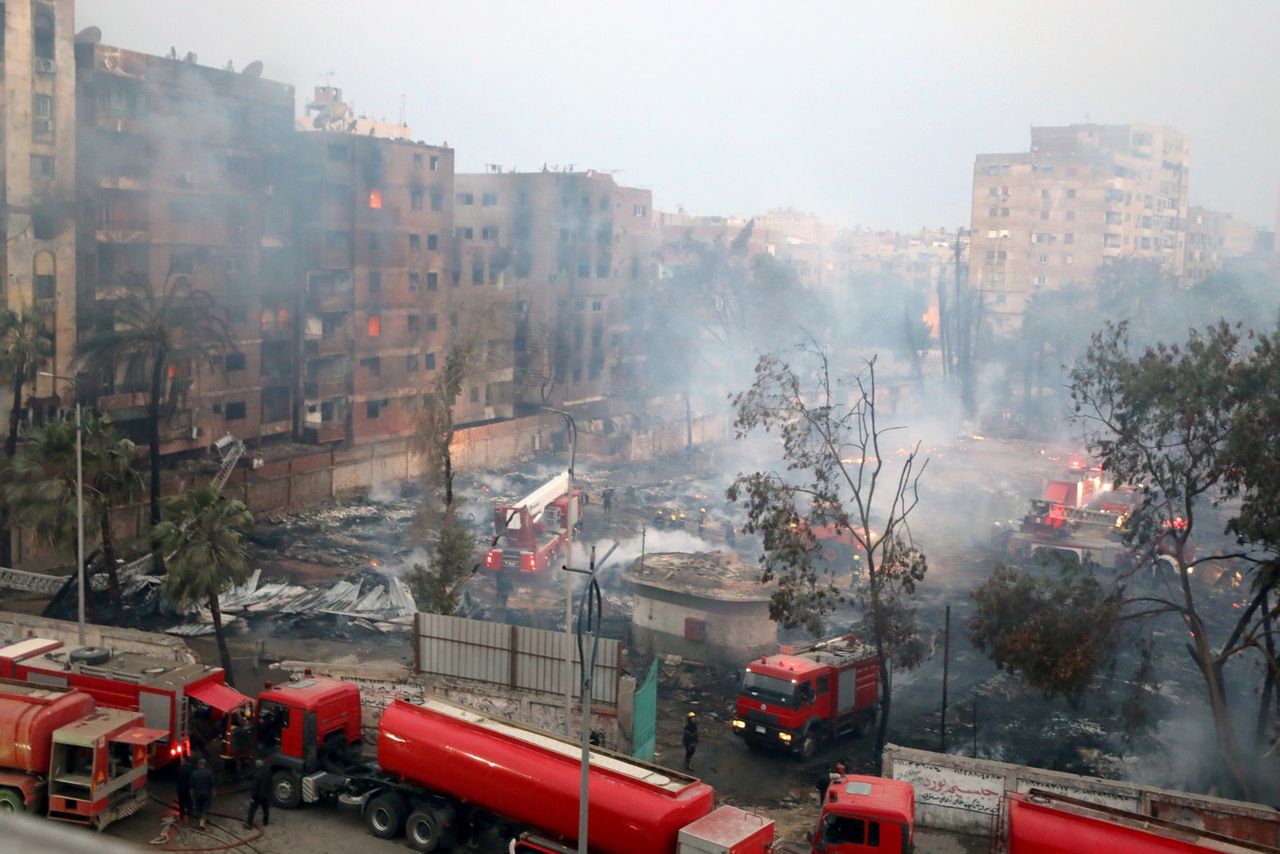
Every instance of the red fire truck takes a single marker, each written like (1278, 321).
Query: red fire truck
(530, 535)
(861, 814)
(796, 700)
(62, 757)
(169, 694)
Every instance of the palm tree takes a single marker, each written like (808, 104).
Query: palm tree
(42, 486)
(25, 347)
(203, 540)
(113, 481)
(150, 331)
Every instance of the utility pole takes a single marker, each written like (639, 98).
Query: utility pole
(567, 669)
(946, 672)
(590, 617)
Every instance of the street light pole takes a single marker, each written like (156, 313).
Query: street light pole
(79, 501)
(567, 669)
(590, 615)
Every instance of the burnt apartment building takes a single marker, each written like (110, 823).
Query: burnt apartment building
(374, 226)
(575, 252)
(183, 172)
(38, 234)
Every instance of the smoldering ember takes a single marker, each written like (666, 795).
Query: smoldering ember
(359, 491)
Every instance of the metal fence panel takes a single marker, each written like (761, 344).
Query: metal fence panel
(644, 717)
(514, 656)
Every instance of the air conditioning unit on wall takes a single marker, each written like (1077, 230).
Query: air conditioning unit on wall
(46, 66)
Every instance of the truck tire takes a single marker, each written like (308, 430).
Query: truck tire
(11, 801)
(385, 815)
(286, 789)
(90, 655)
(422, 829)
(808, 745)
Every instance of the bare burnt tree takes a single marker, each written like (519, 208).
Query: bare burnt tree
(835, 476)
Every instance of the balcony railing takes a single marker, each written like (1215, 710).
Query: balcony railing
(332, 431)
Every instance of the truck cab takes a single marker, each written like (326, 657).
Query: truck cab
(795, 700)
(861, 813)
(301, 725)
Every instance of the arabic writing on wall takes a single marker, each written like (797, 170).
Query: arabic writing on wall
(955, 788)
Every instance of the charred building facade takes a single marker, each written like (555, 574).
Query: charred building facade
(183, 181)
(575, 251)
(375, 260)
(38, 232)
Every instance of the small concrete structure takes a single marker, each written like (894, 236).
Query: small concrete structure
(706, 606)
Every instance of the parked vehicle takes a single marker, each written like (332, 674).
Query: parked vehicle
(62, 756)
(443, 771)
(530, 534)
(172, 696)
(861, 814)
(796, 700)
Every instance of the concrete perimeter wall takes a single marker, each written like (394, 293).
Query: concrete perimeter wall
(964, 795)
(378, 687)
(16, 627)
(311, 478)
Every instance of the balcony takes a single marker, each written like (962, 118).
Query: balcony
(329, 302)
(321, 388)
(331, 431)
(333, 346)
(123, 232)
(119, 400)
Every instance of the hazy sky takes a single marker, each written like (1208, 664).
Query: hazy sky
(863, 112)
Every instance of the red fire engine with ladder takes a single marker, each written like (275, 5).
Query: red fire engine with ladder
(530, 534)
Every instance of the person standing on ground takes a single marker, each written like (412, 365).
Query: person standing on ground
(202, 790)
(825, 779)
(260, 795)
(184, 788)
(690, 739)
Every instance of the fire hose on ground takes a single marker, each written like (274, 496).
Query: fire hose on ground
(170, 821)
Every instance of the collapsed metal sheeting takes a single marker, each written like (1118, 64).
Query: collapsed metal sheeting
(376, 600)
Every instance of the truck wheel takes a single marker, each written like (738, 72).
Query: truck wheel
(11, 801)
(286, 789)
(808, 746)
(90, 655)
(423, 830)
(385, 816)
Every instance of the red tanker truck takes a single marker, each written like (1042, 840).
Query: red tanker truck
(864, 814)
(796, 700)
(444, 772)
(63, 757)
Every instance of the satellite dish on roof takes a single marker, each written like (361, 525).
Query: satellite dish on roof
(89, 35)
(253, 69)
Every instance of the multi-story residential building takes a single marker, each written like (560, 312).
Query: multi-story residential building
(375, 252)
(1083, 195)
(572, 248)
(183, 173)
(38, 231)
(1214, 238)
(183, 176)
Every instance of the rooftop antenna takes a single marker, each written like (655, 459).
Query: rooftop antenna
(402, 123)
